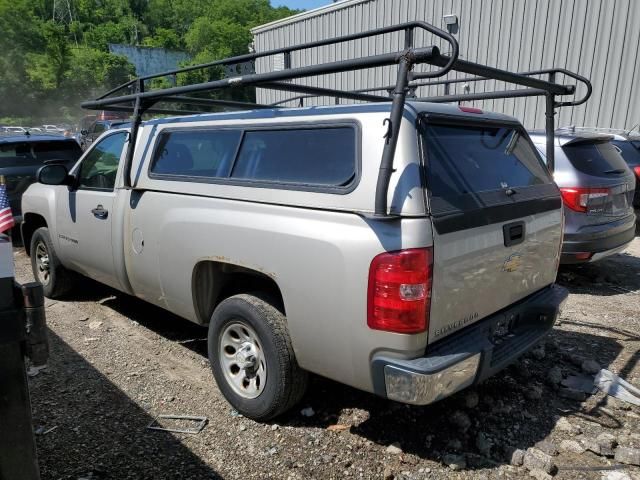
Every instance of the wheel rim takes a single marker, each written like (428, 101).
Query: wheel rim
(242, 360)
(43, 271)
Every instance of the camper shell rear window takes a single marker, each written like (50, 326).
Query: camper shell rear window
(469, 166)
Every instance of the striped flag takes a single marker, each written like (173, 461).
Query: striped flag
(6, 217)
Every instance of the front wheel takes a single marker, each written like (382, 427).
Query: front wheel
(47, 269)
(252, 358)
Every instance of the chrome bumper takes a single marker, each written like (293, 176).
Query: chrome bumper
(424, 388)
(470, 355)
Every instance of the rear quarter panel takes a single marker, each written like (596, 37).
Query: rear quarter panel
(319, 259)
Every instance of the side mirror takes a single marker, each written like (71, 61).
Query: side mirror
(53, 174)
(84, 132)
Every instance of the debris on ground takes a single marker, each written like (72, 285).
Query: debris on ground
(338, 428)
(617, 387)
(581, 383)
(394, 449)
(630, 456)
(307, 412)
(32, 371)
(198, 423)
(535, 459)
(454, 461)
(590, 367)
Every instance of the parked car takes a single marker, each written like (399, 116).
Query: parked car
(97, 128)
(597, 190)
(52, 129)
(15, 130)
(22, 155)
(628, 145)
(238, 219)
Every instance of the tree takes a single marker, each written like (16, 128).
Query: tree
(46, 70)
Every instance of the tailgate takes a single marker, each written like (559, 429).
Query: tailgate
(497, 220)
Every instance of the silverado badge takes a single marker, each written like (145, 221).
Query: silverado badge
(512, 263)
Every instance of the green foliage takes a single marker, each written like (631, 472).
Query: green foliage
(164, 38)
(47, 69)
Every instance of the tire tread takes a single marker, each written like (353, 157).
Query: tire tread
(293, 378)
(62, 280)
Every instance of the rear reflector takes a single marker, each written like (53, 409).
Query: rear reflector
(636, 170)
(583, 255)
(470, 109)
(399, 295)
(577, 199)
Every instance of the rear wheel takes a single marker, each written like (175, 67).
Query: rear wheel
(47, 269)
(252, 358)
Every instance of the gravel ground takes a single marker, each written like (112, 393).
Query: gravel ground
(117, 362)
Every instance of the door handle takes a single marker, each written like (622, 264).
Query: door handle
(513, 233)
(100, 212)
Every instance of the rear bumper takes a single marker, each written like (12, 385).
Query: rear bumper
(470, 355)
(600, 240)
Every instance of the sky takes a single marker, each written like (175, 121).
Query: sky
(300, 4)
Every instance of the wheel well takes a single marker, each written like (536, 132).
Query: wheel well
(212, 282)
(31, 222)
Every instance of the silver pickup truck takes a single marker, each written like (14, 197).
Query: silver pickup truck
(261, 225)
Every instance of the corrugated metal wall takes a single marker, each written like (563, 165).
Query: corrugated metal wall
(599, 39)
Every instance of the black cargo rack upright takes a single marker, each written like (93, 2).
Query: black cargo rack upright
(241, 73)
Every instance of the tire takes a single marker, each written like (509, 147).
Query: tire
(47, 269)
(252, 358)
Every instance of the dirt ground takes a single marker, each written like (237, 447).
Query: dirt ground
(117, 362)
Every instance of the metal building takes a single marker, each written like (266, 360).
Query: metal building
(599, 39)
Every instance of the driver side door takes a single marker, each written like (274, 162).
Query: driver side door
(85, 212)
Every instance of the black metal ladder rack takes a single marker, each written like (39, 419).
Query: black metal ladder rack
(240, 73)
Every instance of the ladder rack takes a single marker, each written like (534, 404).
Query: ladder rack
(240, 72)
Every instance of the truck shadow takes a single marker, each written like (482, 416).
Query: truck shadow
(508, 415)
(616, 275)
(98, 431)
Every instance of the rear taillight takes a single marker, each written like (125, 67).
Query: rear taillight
(577, 199)
(636, 170)
(399, 295)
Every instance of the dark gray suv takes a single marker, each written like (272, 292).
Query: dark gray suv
(627, 143)
(597, 190)
(22, 155)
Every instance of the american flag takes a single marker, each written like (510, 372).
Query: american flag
(6, 217)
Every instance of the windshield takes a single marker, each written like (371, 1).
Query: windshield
(36, 153)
